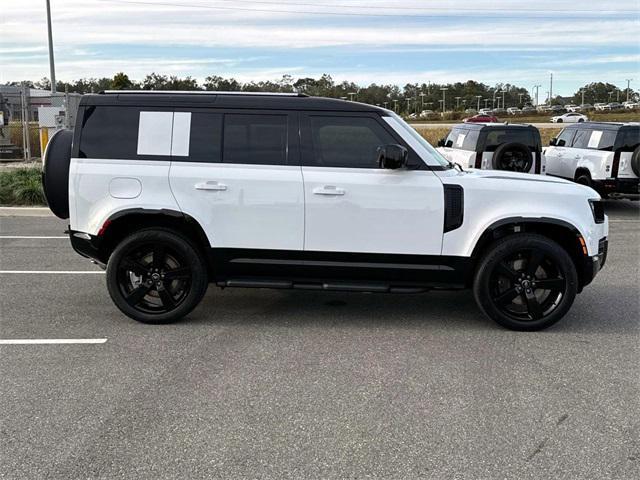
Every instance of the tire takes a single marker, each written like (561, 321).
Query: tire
(559, 120)
(635, 161)
(584, 179)
(55, 172)
(504, 292)
(137, 274)
(512, 157)
(580, 120)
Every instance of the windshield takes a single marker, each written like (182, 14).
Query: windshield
(428, 149)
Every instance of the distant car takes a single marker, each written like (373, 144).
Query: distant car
(558, 109)
(498, 111)
(485, 111)
(427, 113)
(544, 108)
(413, 116)
(614, 106)
(529, 109)
(585, 107)
(571, 117)
(513, 111)
(601, 106)
(495, 146)
(470, 111)
(571, 107)
(481, 118)
(632, 105)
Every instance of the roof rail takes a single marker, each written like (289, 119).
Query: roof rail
(205, 92)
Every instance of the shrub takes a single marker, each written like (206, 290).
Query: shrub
(21, 186)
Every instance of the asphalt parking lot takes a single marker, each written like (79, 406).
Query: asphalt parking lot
(295, 384)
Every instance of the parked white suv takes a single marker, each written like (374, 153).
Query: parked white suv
(173, 191)
(494, 146)
(604, 156)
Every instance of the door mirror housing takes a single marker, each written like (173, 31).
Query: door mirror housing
(560, 143)
(441, 142)
(392, 156)
(553, 141)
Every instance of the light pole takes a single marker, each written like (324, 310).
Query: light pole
(444, 98)
(582, 92)
(628, 87)
(503, 98)
(422, 95)
(610, 93)
(478, 97)
(520, 95)
(52, 68)
(486, 101)
(408, 105)
(351, 95)
(441, 105)
(457, 102)
(395, 106)
(537, 87)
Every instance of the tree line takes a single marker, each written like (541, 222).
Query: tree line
(412, 97)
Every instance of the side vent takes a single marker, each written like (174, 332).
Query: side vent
(453, 207)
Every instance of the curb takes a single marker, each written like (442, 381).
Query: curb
(25, 212)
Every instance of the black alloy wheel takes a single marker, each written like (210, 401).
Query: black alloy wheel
(156, 276)
(526, 282)
(512, 157)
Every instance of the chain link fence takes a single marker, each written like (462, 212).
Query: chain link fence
(28, 119)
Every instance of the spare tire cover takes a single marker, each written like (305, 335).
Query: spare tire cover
(55, 172)
(513, 157)
(635, 161)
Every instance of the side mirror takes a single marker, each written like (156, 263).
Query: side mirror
(560, 143)
(449, 144)
(392, 156)
(553, 142)
(441, 142)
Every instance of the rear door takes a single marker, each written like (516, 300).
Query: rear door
(239, 177)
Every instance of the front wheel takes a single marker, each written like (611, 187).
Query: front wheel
(526, 282)
(156, 276)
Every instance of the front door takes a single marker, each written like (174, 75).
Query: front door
(352, 205)
(239, 177)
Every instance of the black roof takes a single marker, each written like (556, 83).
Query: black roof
(482, 125)
(602, 125)
(258, 100)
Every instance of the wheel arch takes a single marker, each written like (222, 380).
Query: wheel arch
(124, 222)
(568, 236)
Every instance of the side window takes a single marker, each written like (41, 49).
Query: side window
(109, 132)
(566, 135)
(205, 139)
(345, 141)
(607, 140)
(629, 138)
(581, 140)
(255, 139)
(463, 139)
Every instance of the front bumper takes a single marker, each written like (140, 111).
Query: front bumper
(592, 265)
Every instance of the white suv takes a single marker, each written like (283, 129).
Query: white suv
(173, 191)
(494, 146)
(604, 156)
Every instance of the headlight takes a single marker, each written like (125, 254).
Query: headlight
(597, 209)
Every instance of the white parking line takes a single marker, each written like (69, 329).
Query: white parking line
(24, 237)
(54, 272)
(50, 341)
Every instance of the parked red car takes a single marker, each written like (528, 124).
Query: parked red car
(481, 118)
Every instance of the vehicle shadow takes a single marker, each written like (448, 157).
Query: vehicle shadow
(440, 310)
(622, 209)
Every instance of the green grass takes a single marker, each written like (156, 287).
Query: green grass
(21, 186)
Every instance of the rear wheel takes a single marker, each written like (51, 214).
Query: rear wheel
(526, 282)
(156, 276)
(512, 157)
(583, 178)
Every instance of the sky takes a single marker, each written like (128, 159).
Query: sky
(372, 41)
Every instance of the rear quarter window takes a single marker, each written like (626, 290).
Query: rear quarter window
(628, 139)
(463, 139)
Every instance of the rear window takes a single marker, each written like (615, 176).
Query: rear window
(463, 139)
(498, 136)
